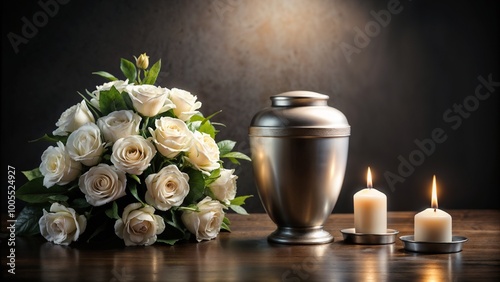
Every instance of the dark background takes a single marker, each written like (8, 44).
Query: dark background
(394, 89)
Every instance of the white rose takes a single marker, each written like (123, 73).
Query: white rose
(167, 188)
(61, 225)
(120, 85)
(72, 118)
(171, 136)
(224, 187)
(119, 124)
(139, 225)
(85, 144)
(58, 167)
(149, 100)
(206, 222)
(102, 184)
(133, 154)
(204, 152)
(185, 103)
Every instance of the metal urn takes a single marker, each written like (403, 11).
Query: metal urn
(299, 149)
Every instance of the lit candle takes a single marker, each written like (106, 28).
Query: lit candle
(433, 224)
(370, 209)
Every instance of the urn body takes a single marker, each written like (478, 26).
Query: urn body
(299, 149)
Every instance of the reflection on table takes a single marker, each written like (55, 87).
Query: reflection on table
(246, 255)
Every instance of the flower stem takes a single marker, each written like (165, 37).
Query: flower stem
(139, 76)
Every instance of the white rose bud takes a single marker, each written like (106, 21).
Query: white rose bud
(149, 100)
(139, 225)
(205, 223)
(167, 188)
(61, 225)
(102, 184)
(85, 144)
(58, 167)
(224, 187)
(120, 85)
(72, 118)
(185, 103)
(119, 124)
(171, 136)
(133, 154)
(204, 152)
(142, 62)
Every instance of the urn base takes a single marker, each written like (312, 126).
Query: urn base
(300, 236)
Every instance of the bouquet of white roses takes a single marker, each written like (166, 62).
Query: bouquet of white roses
(135, 161)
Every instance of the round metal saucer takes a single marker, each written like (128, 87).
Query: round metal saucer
(433, 247)
(350, 236)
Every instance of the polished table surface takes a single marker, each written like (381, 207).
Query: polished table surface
(245, 255)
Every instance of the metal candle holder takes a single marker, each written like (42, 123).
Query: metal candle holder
(433, 247)
(350, 236)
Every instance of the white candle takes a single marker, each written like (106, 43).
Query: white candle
(370, 210)
(433, 224)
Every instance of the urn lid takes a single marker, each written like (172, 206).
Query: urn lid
(300, 113)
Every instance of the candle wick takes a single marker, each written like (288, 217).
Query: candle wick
(434, 209)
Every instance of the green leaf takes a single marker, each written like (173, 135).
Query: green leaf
(213, 176)
(171, 242)
(200, 117)
(196, 186)
(136, 178)
(58, 198)
(238, 201)
(192, 207)
(27, 220)
(98, 230)
(207, 128)
(111, 100)
(236, 155)
(79, 203)
(176, 232)
(51, 138)
(197, 117)
(113, 212)
(238, 209)
(218, 123)
(211, 116)
(128, 102)
(133, 191)
(169, 113)
(32, 174)
(106, 75)
(153, 73)
(225, 146)
(225, 226)
(128, 69)
(95, 110)
(194, 125)
(175, 222)
(34, 191)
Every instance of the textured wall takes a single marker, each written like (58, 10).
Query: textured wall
(394, 81)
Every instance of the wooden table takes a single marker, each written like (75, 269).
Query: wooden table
(245, 255)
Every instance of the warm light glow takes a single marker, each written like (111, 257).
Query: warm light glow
(434, 201)
(369, 182)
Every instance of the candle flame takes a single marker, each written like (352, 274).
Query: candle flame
(434, 201)
(369, 182)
